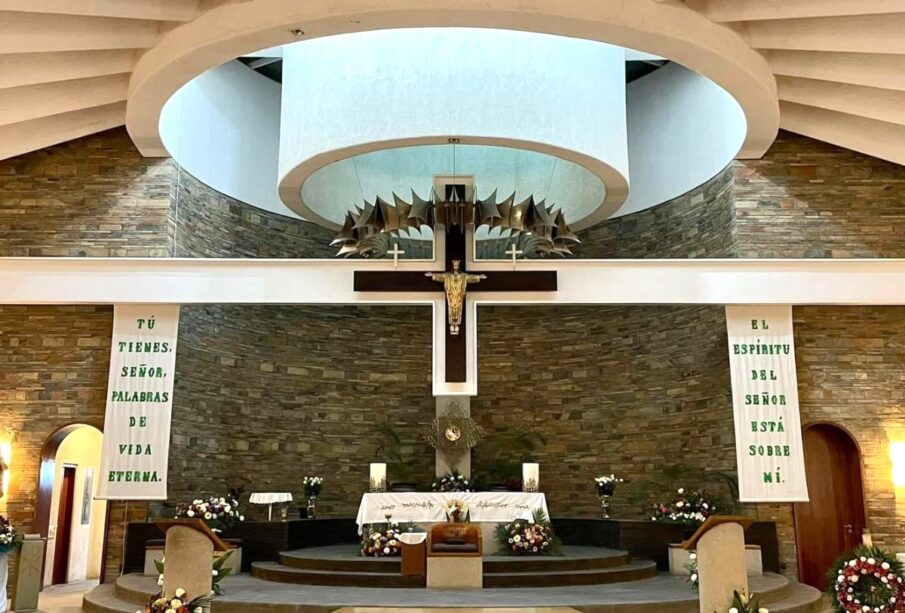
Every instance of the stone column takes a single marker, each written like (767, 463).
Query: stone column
(464, 463)
(722, 568)
(189, 562)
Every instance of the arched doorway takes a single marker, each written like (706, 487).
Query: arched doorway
(834, 519)
(66, 512)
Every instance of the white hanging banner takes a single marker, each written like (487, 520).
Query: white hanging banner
(139, 403)
(768, 442)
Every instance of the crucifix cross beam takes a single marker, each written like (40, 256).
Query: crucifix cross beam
(416, 281)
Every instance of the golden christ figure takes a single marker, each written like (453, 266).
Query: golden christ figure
(455, 283)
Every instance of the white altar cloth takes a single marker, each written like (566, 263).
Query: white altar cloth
(430, 507)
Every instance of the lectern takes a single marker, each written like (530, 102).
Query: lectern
(722, 568)
(189, 554)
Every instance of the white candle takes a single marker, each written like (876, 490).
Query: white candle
(530, 477)
(378, 481)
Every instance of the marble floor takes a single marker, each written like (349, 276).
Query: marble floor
(64, 598)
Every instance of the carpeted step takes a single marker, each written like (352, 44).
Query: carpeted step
(633, 571)
(273, 571)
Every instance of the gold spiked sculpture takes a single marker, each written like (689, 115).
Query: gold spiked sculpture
(537, 230)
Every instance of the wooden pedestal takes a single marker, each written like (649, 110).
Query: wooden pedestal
(414, 560)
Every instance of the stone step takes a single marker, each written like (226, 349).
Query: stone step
(102, 599)
(273, 571)
(633, 571)
(132, 588)
(313, 559)
(799, 598)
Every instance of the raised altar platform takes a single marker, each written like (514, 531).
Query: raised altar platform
(341, 565)
(265, 541)
(663, 594)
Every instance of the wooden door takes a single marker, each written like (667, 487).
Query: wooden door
(64, 527)
(833, 521)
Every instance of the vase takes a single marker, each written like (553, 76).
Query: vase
(4, 577)
(605, 505)
(312, 507)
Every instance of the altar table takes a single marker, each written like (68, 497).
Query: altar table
(430, 507)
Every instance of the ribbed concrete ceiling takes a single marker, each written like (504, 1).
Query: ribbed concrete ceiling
(840, 64)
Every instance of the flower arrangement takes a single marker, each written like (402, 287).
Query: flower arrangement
(688, 508)
(457, 511)
(177, 604)
(523, 537)
(606, 484)
(218, 513)
(867, 580)
(9, 538)
(453, 481)
(312, 486)
(218, 572)
(381, 540)
(745, 604)
(692, 568)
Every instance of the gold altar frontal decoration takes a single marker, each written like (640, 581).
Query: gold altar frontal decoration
(453, 433)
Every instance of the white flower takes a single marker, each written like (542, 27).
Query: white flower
(214, 572)
(191, 513)
(180, 593)
(694, 577)
(733, 610)
(160, 581)
(681, 491)
(207, 516)
(763, 610)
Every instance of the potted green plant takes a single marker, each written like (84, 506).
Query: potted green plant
(391, 450)
(505, 472)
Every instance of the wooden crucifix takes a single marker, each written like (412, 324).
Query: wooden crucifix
(494, 281)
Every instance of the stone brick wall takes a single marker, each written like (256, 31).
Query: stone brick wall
(807, 199)
(639, 391)
(850, 372)
(268, 394)
(53, 373)
(95, 196)
(698, 224)
(208, 224)
(632, 390)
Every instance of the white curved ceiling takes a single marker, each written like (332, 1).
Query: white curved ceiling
(65, 65)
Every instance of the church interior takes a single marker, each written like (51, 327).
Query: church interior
(560, 305)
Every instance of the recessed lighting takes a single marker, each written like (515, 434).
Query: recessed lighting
(297, 32)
